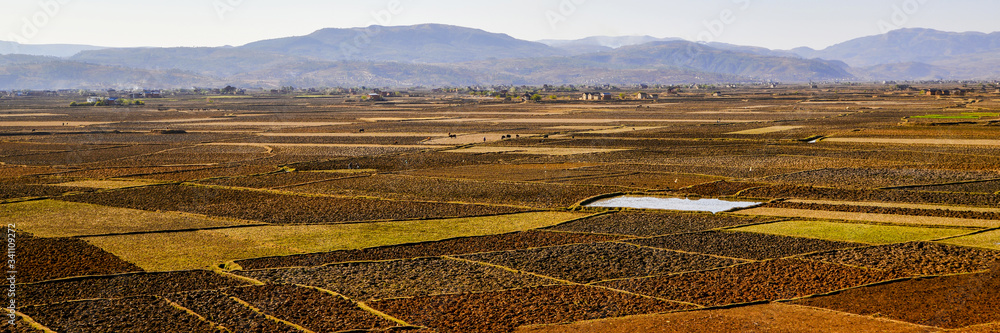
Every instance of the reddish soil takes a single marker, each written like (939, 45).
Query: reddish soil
(223, 310)
(503, 311)
(915, 258)
(745, 245)
(772, 318)
(763, 281)
(401, 278)
(465, 245)
(136, 314)
(949, 301)
(122, 286)
(586, 263)
(718, 189)
(76, 258)
(888, 210)
(818, 193)
(278, 208)
(646, 224)
(326, 312)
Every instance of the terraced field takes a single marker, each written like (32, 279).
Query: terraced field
(285, 214)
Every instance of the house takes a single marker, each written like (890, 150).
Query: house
(375, 97)
(94, 99)
(643, 95)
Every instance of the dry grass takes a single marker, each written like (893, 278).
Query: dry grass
(204, 248)
(104, 184)
(319, 145)
(50, 218)
(621, 130)
(881, 218)
(30, 115)
(50, 123)
(357, 134)
(766, 130)
(989, 239)
(534, 150)
(774, 317)
(852, 232)
(896, 205)
(269, 124)
(933, 142)
(468, 139)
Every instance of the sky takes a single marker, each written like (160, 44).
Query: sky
(775, 24)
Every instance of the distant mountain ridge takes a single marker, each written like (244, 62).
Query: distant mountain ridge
(425, 43)
(442, 55)
(51, 50)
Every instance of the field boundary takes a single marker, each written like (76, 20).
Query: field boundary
(174, 305)
(33, 323)
(905, 187)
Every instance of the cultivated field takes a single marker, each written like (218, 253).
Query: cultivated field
(448, 213)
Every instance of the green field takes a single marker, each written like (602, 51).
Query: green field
(204, 248)
(52, 218)
(850, 232)
(990, 240)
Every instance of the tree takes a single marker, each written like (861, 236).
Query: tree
(229, 90)
(536, 97)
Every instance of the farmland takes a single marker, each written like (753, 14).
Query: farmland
(451, 213)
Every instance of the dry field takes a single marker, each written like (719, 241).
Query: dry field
(284, 214)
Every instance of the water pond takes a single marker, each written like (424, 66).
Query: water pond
(647, 202)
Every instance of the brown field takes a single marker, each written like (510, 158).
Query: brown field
(766, 130)
(305, 212)
(774, 317)
(916, 141)
(883, 218)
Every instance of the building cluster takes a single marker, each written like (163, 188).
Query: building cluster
(944, 92)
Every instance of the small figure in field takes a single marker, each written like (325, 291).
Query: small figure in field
(484, 139)
(361, 130)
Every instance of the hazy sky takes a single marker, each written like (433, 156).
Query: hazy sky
(779, 24)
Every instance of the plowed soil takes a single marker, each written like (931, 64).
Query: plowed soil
(586, 263)
(512, 241)
(763, 281)
(402, 278)
(310, 308)
(137, 314)
(654, 224)
(122, 286)
(503, 311)
(915, 258)
(949, 301)
(743, 245)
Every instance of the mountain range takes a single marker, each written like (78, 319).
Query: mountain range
(442, 55)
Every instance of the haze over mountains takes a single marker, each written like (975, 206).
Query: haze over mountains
(441, 55)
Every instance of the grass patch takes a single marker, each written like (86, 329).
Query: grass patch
(881, 218)
(200, 249)
(849, 232)
(51, 218)
(989, 240)
(104, 184)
